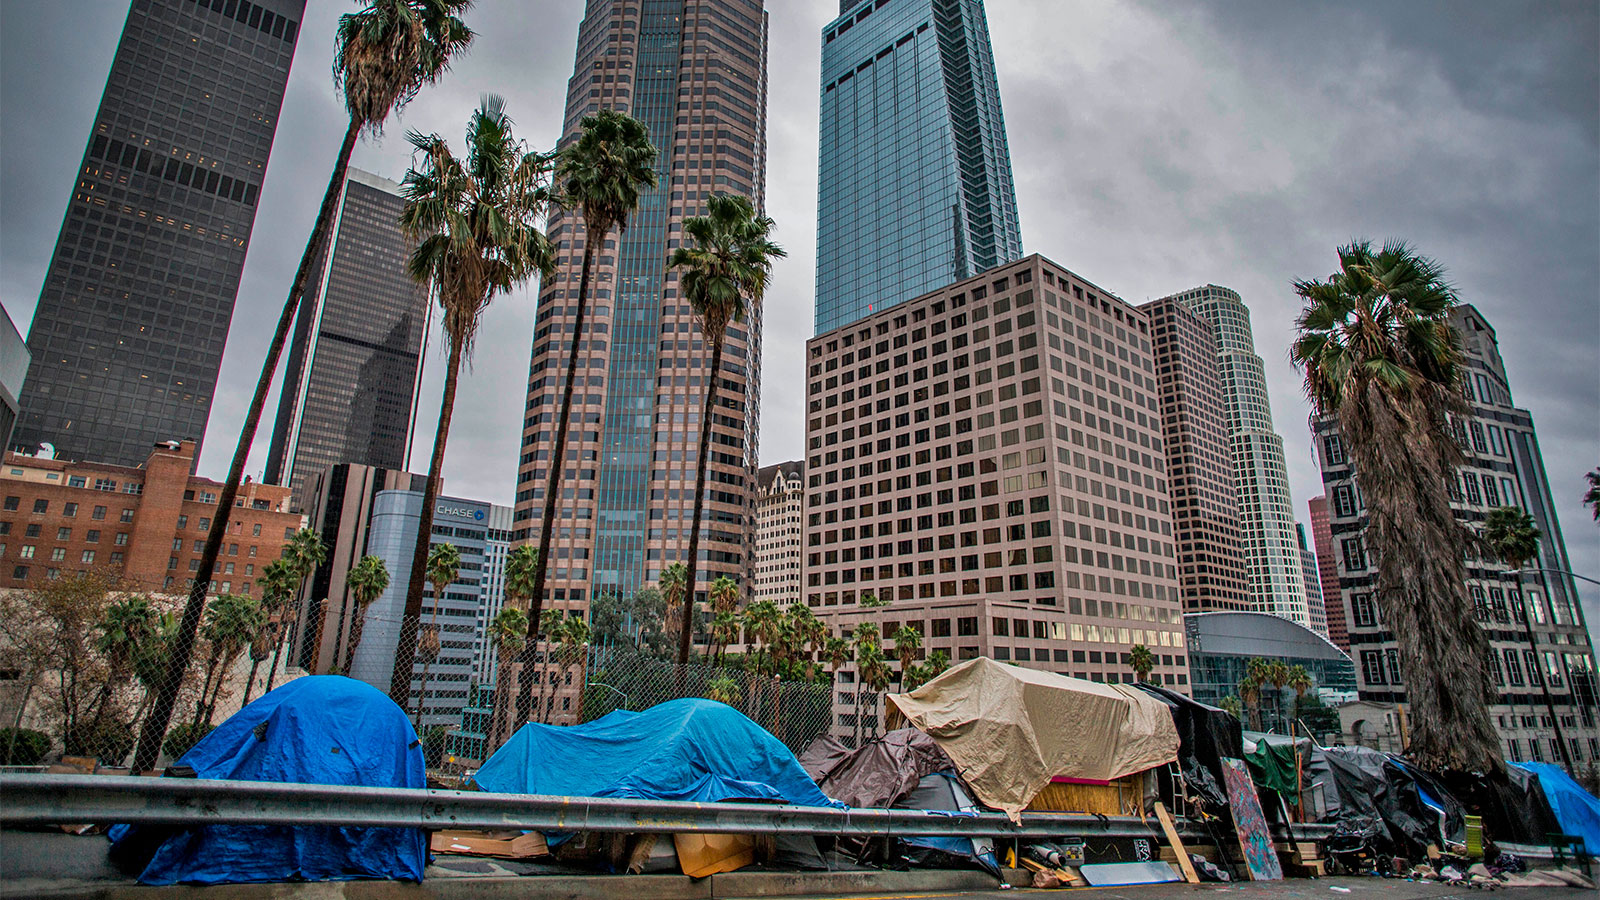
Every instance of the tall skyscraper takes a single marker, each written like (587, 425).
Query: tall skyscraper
(1261, 477)
(128, 334)
(914, 186)
(780, 508)
(696, 76)
(988, 458)
(1503, 468)
(1312, 576)
(1194, 428)
(1328, 572)
(351, 381)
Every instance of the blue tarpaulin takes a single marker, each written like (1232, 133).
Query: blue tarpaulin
(692, 749)
(1576, 809)
(322, 729)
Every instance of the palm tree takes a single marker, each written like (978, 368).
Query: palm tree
(1300, 681)
(1141, 660)
(1277, 675)
(869, 600)
(761, 622)
(477, 224)
(836, 650)
(573, 649)
(278, 583)
(1230, 705)
(724, 631)
(808, 633)
(303, 554)
(1255, 678)
(1382, 360)
(521, 565)
(864, 642)
(598, 175)
(444, 567)
(907, 641)
(673, 587)
(232, 621)
(875, 672)
(725, 262)
(724, 598)
(367, 581)
(1591, 495)
(550, 630)
(508, 632)
(1512, 536)
(383, 56)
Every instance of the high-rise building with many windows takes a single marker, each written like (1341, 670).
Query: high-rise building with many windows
(780, 508)
(696, 76)
(1533, 617)
(127, 338)
(914, 187)
(1328, 572)
(1194, 428)
(350, 385)
(1261, 476)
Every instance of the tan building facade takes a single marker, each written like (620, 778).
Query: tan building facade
(145, 523)
(780, 510)
(1194, 419)
(989, 459)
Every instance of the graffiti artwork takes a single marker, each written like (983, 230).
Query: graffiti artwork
(1254, 837)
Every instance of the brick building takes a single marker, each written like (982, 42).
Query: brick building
(147, 523)
(989, 459)
(1194, 426)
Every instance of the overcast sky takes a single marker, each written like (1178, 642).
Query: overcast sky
(1156, 146)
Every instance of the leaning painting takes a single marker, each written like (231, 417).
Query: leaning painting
(1254, 837)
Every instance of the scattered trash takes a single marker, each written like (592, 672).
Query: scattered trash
(1335, 887)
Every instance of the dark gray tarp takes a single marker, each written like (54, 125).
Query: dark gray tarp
(879, 774)
(1206, 734)
(1513, 805)
(1389, 806)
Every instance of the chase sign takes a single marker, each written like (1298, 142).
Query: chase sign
(463, 512)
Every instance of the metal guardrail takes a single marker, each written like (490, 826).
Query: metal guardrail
(59, 799)
(33, 799)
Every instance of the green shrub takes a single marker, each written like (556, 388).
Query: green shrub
(110, 742)
(23, 746)
(184, 736)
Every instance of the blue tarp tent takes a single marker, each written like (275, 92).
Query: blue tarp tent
(1576, 809)
(691, 749)
(322, 729)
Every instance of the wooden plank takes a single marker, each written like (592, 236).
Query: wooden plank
(1177, 844)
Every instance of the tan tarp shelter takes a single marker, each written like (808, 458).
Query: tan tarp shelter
(1009, 730)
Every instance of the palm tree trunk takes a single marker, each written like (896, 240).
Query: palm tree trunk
(427, 664)
(154, 730)
(405, 655)
(357, 626)
(558, 461)
(250, 682)
(497, 722)
(277, 652)
(686, 627)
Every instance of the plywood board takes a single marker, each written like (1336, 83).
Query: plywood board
(1255, 839)
(1171, 831)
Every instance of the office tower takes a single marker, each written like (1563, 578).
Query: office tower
(697, 79)
(1503, 468)
(914, 186)
(1313, 582)
(1261, 478)
(350, 385)
(1194, 426)
(14, 360)
(988, 458)
(145, 524)
(128, 334)
(478, 531)
(1328, 572)
(780, 505)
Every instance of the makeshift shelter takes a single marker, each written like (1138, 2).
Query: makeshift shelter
(1010, 730)
(1206, 734)
(689, 749)
(1575, 809)
(321, 729)
(1386, 804)
(904, 769)
(1511, 803)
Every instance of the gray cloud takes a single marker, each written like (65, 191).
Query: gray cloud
(1156, 146)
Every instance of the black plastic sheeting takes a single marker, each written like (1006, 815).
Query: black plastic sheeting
(1380, 805)
(880, 773)
(1206, 734)
(1512, 804)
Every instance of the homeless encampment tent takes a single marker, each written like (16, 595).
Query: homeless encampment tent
(320, 729)
(1511, 803)
(1206, 734)
(1386, 805)
(1575, 809)
(904, 769)
(1010, 730)
(688, 749)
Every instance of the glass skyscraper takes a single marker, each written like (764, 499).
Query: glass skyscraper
(351, 382)
(695, 74)
(128, 334)
(914, 187)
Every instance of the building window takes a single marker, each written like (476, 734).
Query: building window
(127, 516)
(99, 512)
(20, 573)
(12, 502)
(41, 506)
(1372, 667)
(183, 522)
(76, 481)
(104, 484)
(91, 536)
(1333, 449)
(88, 556)
(1513, 667)
(69, 510)
(1354, 559)
(26, 552)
